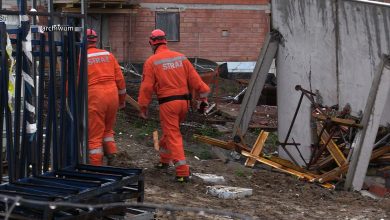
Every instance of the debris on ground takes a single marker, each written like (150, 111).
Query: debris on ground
(229, 192)
(264, 117)
(333, 136)
(275, 191)
(210, 178)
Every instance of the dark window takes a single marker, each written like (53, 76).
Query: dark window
(169, 22)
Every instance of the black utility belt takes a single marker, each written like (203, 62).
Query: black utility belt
(174, 97)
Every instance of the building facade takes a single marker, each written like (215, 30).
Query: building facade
(219, 30)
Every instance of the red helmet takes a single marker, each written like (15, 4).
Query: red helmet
(157, 37)
(91, 36)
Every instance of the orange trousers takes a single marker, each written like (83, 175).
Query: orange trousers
(171, 143)
(103, 105)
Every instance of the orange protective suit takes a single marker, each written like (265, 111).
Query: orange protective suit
(106, 91)
(171, 76)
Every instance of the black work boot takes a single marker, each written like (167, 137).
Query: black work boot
(111, 159)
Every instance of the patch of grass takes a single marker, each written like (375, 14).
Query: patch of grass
(241, 173)
(208, 131)
(272, 140)
(138, 123)
(144, 129)
(205, 155)
(189, 153)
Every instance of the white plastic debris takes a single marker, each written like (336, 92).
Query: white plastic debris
(369, 194)
(210, 178)
(229, 192)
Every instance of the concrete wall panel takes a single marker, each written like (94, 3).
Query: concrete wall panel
(332, 46)
(364, 37)
(306, 57)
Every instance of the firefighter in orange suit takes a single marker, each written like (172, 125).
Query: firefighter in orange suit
(171, 76)
(106, 94)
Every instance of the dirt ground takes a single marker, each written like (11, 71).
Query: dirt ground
(275, 195)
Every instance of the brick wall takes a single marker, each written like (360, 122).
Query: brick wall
(200, 33)
(252, 2)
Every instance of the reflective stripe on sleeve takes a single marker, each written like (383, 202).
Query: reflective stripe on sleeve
(169, 60)
(98, 54)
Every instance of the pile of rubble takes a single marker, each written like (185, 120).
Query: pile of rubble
(333, 133)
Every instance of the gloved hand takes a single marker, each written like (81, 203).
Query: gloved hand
(143, 113)
(202, 106)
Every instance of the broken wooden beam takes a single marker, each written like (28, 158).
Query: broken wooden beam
(132, 102)
(257, 148)
(326, 162)
(156, 141)
(335, 173)
(285, 163)
(227, 145)
(339, 121)
(300, 175)
(215, 142)
(278, 166)
(332, 147)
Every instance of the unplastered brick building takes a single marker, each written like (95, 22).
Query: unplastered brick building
(219, 30)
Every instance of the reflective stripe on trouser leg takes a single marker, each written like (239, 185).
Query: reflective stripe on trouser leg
(109, 145)
(182, 169)
(180, 162)
(96, 156)
(122, 91)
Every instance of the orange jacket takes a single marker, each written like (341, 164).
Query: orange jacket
(103, 68)
(169, 73)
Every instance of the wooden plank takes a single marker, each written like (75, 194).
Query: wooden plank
(155, 141)
(256, 83)
(335, 173)
(339, 121)
(132, 102)
(279, 166)
(324, 163)
(365, 138)
(257, 148)
(215, 142)
(332, 147)
(286, 163)
(227, 145)
(301, 175)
